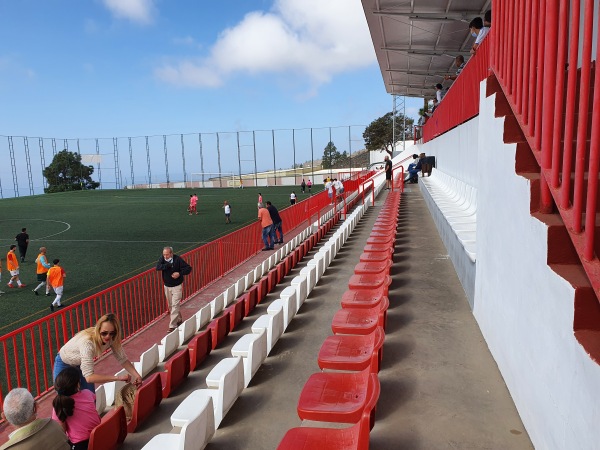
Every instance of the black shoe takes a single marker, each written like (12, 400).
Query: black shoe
(266, 249)
(271, 248)
(60, 306)
(48, 294)
(51, 307)
(35, 292)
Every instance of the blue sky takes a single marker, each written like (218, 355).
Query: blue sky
(118, 68)
(103, 68)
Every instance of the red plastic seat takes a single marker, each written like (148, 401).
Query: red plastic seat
(176, 370)
(252, 299)
(219, 329)
(336, 397)
(378, 248)
(370, 281)
(263, 288)
(111, 431)
(236, 313)
(273, 279)
(281, 271)
(377, 267)
(388, 240)
(356, 321)
(355, 437)
(147, 398)
(376, 256)
(382, 233)
(352, 352)
(363, 298)
(199, 348)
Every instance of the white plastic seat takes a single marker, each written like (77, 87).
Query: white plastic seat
(229, 295)
(252, 348)
(187, 329)
(148, 361)
(203, 316)
(240, 286)
(300, 284)
(196, 431)
(217, 305)
(100, 399)
(250, 278)
(289, 294)
(225, 384)
(286, 306)
(168, 345)
(273, 324)
(310, 272)
(111, 388)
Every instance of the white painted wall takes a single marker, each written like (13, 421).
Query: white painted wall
(524, 309)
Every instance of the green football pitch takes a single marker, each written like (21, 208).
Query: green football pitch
(106, 236)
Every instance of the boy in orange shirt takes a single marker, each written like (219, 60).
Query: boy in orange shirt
(12, 264)
(55, 279)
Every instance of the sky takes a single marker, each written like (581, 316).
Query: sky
(122, 68)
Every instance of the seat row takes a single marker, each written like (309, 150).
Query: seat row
(202, 332)
(356, 348)
(457, 203)
(202, 411)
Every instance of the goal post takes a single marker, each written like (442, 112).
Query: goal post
(214, 179)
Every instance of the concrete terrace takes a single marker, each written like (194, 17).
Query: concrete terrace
(440, 387)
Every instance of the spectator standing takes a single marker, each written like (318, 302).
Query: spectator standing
(487, 19)
(74, 409)
(23, 242)
(277, 224)
(260, 202)
(459, 62)
(56, 280)
(309, 185)
(388, 172)
(329, 189)
(266, 224)
(339, 186)
(12, 264)
(20, 410)
(292, 198)
(303, 186)
(227, 210)
(478, 31)
(42, 267)
(81, 350)
(173, 269)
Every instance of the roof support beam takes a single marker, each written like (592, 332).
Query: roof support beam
(427, 73)
(428, 52)
(464, 16)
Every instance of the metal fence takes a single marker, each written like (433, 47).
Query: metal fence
(164, 159)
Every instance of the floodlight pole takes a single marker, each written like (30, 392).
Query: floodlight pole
(274, 164)
(201, 157)
(239, 157)
(219, 160)
(255, 167)
(98, 153)
(147, 160)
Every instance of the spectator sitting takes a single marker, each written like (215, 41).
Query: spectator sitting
(478, 31)
(413, 169)
(74, 409)
(20, 411)
(459, 62)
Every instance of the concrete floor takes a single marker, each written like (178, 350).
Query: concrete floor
(440, 387)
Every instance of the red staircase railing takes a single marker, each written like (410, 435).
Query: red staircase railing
(27, 354)
(542, 57)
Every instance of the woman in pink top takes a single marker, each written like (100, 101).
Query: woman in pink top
(74, 409)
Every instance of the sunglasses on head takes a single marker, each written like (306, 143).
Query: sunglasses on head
(108, 333)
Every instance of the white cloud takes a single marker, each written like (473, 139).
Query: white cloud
(139, 11)
(310, 39)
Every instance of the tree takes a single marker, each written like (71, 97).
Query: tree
(67, 173)
(379, 134)
(331, 156)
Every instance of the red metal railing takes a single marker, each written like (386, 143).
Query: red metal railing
(545, 66)
(27, 353)
(461, 103)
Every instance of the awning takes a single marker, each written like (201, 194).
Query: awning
(416, 41)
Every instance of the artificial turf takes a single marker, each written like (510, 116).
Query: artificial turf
(106, 236)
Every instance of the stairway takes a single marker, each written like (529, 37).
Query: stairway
(564, 245)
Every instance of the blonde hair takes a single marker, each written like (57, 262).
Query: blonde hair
(94, 333)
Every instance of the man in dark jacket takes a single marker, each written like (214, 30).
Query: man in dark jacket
(173, 269)
(277, 224)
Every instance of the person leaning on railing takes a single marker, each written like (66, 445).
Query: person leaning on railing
(81, 350)
(459, 62)
(478, 31)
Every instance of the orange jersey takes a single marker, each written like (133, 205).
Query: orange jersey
(12, 263)
(40, 267)
(56, 276)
